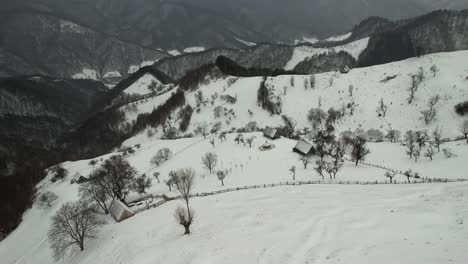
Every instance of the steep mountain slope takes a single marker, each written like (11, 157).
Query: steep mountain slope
(41, 43)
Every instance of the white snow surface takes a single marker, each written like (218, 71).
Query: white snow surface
(141, 85)
(303, 52)
(339, 37)
(86, 74)
(398, 223)
(193, 49)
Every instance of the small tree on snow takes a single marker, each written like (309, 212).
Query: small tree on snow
(463, 128)
(184, 185)
(209, 161)
(94, 193)
(142, 183)
(293, 171)
(221, 174)
(212, 142)
(437, 137)
(410, 143)
(382, 108)
(416, 154)
(46, 199)
(202, 129)
(305, 160)
(413, 88)
(350, 90)
(73, 223)
(393, 135)
(156, 176)
(250, 141)
(430, 113)
(332, 168)
(408, 174)
(320, 168)
(390, 175)
(161, 156)
(359, 149)
(434, 70)
(429, 152)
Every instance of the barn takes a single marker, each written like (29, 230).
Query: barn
(78, 178)
(271, 133)
(304, 148)
(119, 210)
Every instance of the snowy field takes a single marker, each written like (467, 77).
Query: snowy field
(298, 224)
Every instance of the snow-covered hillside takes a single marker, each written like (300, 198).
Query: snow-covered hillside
(389, 82)
(327, 222)
(301, 53)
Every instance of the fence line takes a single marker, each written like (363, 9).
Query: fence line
(294, 183)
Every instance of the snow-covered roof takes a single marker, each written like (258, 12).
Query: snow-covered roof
(270, 132)
(119, 210)
(304, 147)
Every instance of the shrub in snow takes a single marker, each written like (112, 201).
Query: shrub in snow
(161, 156)
(222, 174)
(317, 117)
(141, 183)
(382, 108)
(393, 135)
(374, 135)
(60, 173)
(463, 128)
(462, 108)
(202, 129)
(293, 171)
(46, 199)
(390, 175)
(251, 126)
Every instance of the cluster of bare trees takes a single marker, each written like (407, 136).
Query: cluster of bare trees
(416, 141)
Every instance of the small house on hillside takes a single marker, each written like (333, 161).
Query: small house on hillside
(304, 148)
(271, 133)
(78, 178)
(119, 210)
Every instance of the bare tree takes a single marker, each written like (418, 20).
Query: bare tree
(46, 199)
(463, 128)
(305, 160)
(250, 141)
(430, 113)
(222, 136)
(421, 138)
(184, 185)
(293, 171)
(73, 223)
(437, 137)
(212, 142)
(332, 168)
(359, 149)
(142, 183)
(209, 161)
(320, 168)
(202, 129)
(429, 152)
(413, 88)
(393, 135)
(115, 177)
(382, 108)
(221, 174)
(317, 117)
(434, 70)
(156, 175)
(390, 175)
(312, 81)
(410, 143)
(94, 193)
(416, 154)
(161, 156)
(408, 174)
(350, 90)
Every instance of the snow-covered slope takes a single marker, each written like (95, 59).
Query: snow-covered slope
(141, 86)
(295, 224)
(301, 53)
(332, 90)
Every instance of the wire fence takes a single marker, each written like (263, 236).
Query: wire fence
(166, 199)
